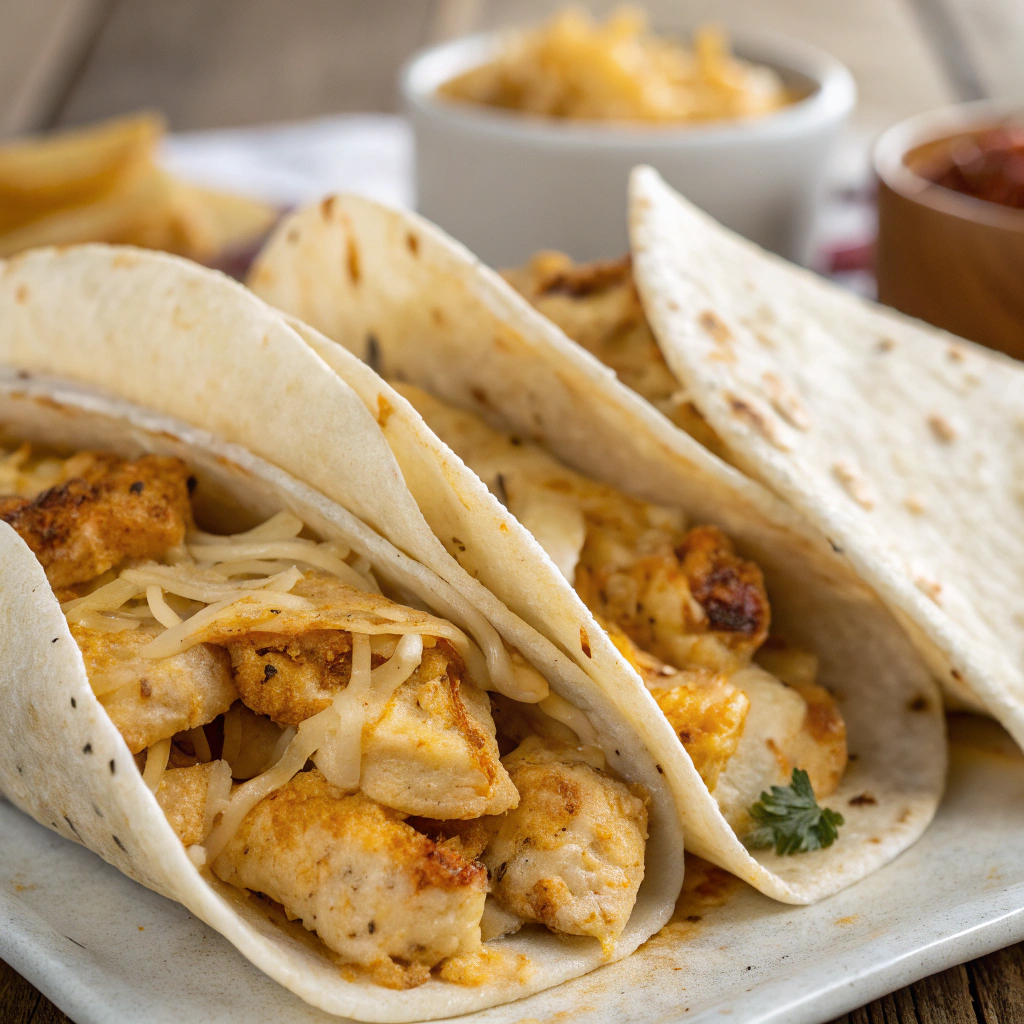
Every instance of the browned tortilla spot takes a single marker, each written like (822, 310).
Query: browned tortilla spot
(715, 327)
(352, 259)
(585, 642)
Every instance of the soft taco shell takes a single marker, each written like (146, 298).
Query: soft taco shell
(898, 441)
(62, 760)
(393, 289)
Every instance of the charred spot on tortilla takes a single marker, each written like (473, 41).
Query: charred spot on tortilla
(863, 800)
(372, 355)
(715, 327)
(585, 642)
(412, 243)
(500, 491)
(479, 396)
(745, 410)
(352, 264)
(919, 703)
(941, 428)
(384, 411)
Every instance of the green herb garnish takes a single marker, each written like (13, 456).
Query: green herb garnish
(790, 819)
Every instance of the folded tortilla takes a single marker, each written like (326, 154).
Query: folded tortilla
(896, 440)
(143, 357)
(419, 308)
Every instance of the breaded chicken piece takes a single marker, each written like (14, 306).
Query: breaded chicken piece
(707, 712)
(292, 678)
(431, 751)
(154, 698)
(689, 599)
(597, 306)
(374, 890)
(108, 509)
(787, 727)
(182, 795)
(571, 855)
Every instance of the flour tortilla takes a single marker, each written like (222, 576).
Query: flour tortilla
(146, 325)
(900, 442)
(394, 289)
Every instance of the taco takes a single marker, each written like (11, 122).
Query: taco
(768, 657)
(888, 435)
(390, 793)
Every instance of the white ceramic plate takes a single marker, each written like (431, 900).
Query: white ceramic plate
(107, 951)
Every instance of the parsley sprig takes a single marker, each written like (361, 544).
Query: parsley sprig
(790, 819)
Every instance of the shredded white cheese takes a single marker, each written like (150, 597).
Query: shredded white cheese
(156, 763)
(162, 611)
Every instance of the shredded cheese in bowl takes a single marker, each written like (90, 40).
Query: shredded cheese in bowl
(577, 69)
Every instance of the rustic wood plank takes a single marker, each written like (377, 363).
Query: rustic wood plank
(18, 999)
(881, 41)
(897, 1008)
(47, 1013)
(41, 48)
(210, 63)
(999, 985)
(945, 998)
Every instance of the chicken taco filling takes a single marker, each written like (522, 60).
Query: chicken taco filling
(689, 614)
(312, 741)
(598, 307)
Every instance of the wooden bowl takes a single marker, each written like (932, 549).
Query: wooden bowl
(948, 258)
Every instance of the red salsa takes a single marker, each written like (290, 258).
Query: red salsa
(988, 165)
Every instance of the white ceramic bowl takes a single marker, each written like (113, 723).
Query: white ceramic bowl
(507, 185)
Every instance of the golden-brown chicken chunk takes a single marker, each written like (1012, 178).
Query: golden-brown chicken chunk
(374, 890)
(292, 678)
(106, 510)
(433, 750)
(571, 855)
(183, 795)
(708, 714)
(151, 699)
(687, 599)
(597, 305)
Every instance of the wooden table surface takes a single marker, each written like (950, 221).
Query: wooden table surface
(213, 63)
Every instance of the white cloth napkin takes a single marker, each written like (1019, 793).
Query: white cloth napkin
(297, 163)
(372, 154)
